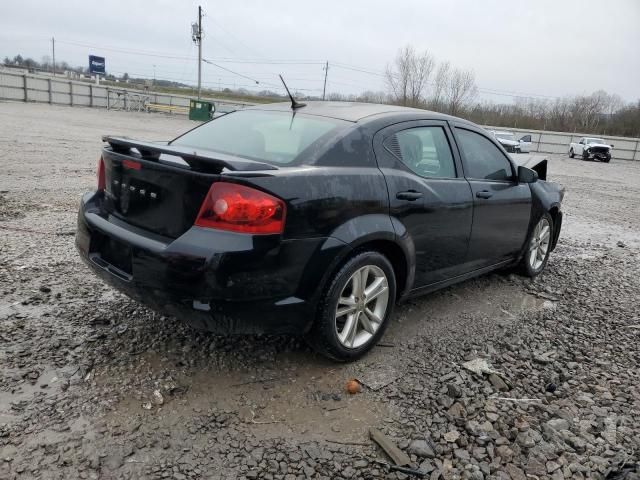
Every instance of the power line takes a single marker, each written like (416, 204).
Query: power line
(149, 53)
(126, 51)
(231, 71)
(357, 69)
(257, 82)
(269, 62)
(480, 89)
(233, 84)
(249, 61)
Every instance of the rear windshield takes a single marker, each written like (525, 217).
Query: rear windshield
(273, 137)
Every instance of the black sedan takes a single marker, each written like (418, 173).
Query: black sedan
(314, 220)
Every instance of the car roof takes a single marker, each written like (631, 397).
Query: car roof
(354, 111)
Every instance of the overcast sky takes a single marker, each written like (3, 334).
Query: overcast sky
(542, 47)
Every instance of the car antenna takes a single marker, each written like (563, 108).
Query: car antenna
(294, 104)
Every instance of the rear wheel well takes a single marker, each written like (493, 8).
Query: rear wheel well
(394, 254)
(553, 211)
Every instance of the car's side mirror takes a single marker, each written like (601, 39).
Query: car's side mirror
(526, 175)
(611, 146)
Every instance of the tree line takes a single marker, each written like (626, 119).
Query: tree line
(416, 79)
(46, 65)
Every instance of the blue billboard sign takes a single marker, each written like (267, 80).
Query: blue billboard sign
(96, 64)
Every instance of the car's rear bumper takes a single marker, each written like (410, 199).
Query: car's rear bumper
(224, 282)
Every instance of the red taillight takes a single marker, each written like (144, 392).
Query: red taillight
(229, 206)
(100, 175)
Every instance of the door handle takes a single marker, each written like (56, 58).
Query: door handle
(484, 194)
(410, 195)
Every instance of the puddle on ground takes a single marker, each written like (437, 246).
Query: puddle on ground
(301, 395)
(48, 383)
(484, 297)
(304, 398)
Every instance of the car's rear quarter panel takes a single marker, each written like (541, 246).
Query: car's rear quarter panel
(341, 206)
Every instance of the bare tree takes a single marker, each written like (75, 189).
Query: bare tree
(558, 116)
(420, 75)
(397, 76)
(440, 86)
(408, 76)
(460, 90)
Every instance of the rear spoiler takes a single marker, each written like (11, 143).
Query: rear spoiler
(200, 160)
(534, 162)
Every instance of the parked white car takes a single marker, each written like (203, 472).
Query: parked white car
(509, 142)
(590, 147)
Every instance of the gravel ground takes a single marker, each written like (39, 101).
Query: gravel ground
(95, 386)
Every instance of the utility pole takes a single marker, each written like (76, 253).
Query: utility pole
(196, 35)
(326, 71)
(53, 50)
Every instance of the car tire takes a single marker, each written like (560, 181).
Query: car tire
(348, 333)
(571, 154)
(538, 247)
(606, 159)
(585, 155)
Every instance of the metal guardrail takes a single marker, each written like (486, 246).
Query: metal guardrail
(543, 141)
(62, 91)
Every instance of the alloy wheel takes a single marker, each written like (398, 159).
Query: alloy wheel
(362, 306)
(539, 245)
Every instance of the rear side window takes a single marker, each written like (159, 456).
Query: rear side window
(482, 159)
(272, 137)
(424, 150)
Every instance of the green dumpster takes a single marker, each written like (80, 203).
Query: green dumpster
(201, 110)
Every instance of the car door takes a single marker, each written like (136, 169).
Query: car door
(430, 201)
(580, 147)
(525, 144)
(502, 206)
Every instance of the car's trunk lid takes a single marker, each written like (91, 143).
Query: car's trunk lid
(161, 188)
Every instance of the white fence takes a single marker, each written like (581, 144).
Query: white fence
(624, 148)
(62, 91)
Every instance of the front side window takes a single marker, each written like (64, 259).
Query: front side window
(267, 136)
(482, 159)
(424, 150)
